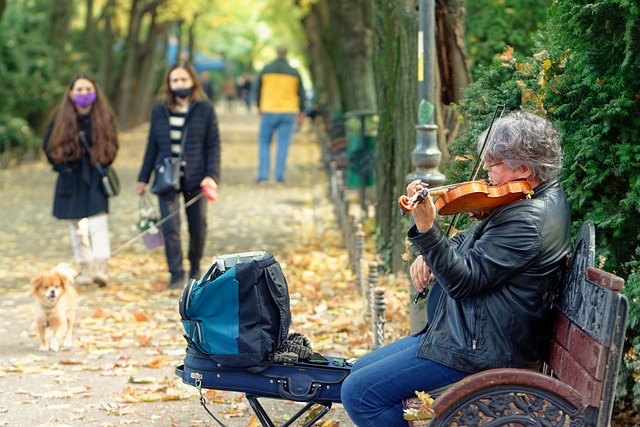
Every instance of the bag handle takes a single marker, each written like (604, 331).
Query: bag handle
(145, 202)
(306, 397)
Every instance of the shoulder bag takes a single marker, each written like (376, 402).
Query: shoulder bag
(109, 177)
(167, 173)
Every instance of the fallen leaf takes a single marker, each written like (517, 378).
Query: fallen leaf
(157, 363)
(128, 296)
(140, 316)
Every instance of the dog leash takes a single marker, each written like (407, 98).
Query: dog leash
(157, 224)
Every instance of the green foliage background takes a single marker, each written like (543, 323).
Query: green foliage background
(28, 72)
(584, 77)
(490, 25)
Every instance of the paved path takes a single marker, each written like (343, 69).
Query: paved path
(120, 371)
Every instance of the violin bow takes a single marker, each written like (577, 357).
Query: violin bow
(474, 174)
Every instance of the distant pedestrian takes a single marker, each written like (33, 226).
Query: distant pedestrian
(229, 92)
(280, 98)
(207, 85)
(184, 111)
(245, 90)
(79, 197)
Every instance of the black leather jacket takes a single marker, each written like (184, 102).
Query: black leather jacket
(499, 279)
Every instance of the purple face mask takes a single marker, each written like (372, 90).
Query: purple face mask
(84, 100)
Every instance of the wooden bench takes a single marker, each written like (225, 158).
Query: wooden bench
(577, 385)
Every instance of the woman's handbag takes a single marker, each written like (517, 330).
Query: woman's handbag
(167, 173)
(167, 176)
(109, 178)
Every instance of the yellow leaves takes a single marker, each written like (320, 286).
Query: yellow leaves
(142, 380)
(140, 316)
(156, 392)
(527, 95)
(420, 408)
(157, 363)
(70, 362)
(128, 296)
(67, 393)
(507, 57)
(254, 422)
(144, 340)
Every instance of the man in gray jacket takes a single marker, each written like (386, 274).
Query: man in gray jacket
(494, 283)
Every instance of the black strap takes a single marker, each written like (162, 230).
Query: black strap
(98, 166)
(204, 405)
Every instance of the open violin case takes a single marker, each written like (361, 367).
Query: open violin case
(317, 382)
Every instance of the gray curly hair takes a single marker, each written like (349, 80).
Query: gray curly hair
(524, 139)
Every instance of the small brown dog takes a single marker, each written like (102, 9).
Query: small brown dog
(56, 308)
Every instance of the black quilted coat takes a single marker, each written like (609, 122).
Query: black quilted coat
(202, 146)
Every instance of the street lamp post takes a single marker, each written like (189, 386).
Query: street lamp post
(426, 155)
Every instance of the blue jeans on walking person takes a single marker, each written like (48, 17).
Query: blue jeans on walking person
(373, 392)
(282, 123)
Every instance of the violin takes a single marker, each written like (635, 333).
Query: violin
(472, 196)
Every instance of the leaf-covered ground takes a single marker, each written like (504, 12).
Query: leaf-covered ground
(128, 338)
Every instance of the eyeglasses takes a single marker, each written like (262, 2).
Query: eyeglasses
(494, 164)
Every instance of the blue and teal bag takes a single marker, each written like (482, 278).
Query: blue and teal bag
(238, 316)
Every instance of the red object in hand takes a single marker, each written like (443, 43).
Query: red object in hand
(210, 193)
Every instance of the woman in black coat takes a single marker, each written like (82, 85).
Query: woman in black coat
(79, 197)
(184, 111)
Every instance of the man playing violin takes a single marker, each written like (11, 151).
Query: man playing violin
(496, 281)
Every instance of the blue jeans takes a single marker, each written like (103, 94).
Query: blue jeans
(270, 123)
(373, 393)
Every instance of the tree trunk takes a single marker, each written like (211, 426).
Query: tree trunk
(453, 72)
(89, 28)
(323, 74)
(395, 39)
(106, 75)
(3, 5)
(350, 49)
(147, 66)
(136, 63)
(61, 13)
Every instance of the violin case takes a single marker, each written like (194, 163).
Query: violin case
(301, 381)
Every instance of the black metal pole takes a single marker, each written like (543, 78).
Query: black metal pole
(426, 155)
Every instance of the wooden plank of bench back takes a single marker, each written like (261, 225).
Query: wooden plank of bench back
(586, 348)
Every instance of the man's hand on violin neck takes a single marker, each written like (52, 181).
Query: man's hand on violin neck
(424, 214)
